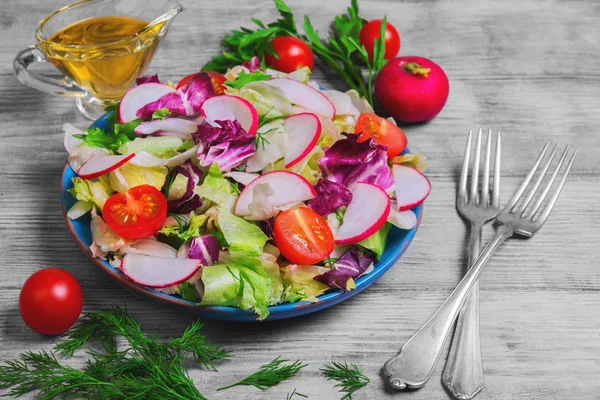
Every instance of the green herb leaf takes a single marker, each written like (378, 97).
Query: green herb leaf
(350, 378)
(187, 232)
(270, 375)
(161, 113)
(290, 396)
(188, 291)
(243, 79)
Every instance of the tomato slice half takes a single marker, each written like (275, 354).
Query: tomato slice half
(217, 81)
(382, 131)
(303, 236)
(136, 214)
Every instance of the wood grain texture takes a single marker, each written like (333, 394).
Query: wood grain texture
(529, 68)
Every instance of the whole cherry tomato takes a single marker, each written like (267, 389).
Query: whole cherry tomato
(293, 54)
(371, 31)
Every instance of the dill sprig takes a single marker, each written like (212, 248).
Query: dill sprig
(350, 378)
(270, 374)
(290, 396)
(146, 369)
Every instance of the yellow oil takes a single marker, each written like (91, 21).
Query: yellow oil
(103, 54)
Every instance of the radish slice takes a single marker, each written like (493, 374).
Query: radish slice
(231, 108)
(365, 215)
(412, 187)
(177, 125)
(152, 248)
(303, 131)
(158, 272)
(81, 155)
(288, 188)
(99, 165)
(305, 96)
(245, 178)
(138, 96)
(145, 159)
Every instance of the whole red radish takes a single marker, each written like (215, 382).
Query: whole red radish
(50, 301)
(412, 89)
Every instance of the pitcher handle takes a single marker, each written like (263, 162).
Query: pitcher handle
(31, 55)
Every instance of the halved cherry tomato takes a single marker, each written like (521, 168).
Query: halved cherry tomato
(293, 54)
(382, 131)
(137, 213)
(371, 30)
(217, 80)
(303, 236)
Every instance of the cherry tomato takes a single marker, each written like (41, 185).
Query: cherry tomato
(382, 131)
(303, 236)
(293, 54)
(370, 31)
(217, 80)
(136, 214)
(50, 301)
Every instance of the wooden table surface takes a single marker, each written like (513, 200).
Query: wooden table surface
(528, 68)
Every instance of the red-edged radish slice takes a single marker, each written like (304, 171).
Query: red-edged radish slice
(231, 108)
(176, 125)
(138, 96)
(365, 215)
(152, 248)
(412, 187)
(99, 165)
(305, 96)
(288, 188)
(303, 131)
(81, 155)
(158, 272)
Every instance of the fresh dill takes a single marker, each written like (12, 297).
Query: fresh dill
(290, 396)
(270, 374)
(350, 378)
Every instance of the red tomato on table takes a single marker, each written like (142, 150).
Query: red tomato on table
(382, 131)
(303, 236)
(293, 54)
(137, 213)
(371, 31)
(50, 301)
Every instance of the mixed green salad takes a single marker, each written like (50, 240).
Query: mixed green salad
(247, 189)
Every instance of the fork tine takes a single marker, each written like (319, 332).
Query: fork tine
(538, 182)
(462, 187)
(526, 181)
(475, 173)
(496, 191)
(540, 200)
(554, 197)
(485, 186)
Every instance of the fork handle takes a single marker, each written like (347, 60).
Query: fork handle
(413, 366)
(463, 373)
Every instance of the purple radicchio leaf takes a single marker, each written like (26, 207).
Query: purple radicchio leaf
(171, 101)
(189, 201)
(267, 226)
(204, 248)
(351, 264)
(252, 65)
(147, 79)
(330, 196)
(228, 144)
(195, 91)
(349, 162)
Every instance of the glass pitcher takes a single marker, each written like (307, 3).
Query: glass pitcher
(99, 46)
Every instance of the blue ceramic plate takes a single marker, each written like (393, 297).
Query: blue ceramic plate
(397, 242)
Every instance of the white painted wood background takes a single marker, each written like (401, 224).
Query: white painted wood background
(529, 68)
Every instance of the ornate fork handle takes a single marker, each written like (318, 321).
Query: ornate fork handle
(413, 366)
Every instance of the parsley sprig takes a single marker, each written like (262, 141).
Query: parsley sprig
(350, 378)
(147, 368)
(270, 374)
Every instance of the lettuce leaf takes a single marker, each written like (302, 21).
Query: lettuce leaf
(185, 231)
(246, 240)
(130, 175)
(299, 283)
(92, 191)
(376, 242)
(218, 189)
(265, 98)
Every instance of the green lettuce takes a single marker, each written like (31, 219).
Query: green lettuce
(185, 231)
(159, 146)
(129, 175)
(218, 189)
(299, 283)
(307, 167)
(246, 240)
(95, 192)
(265, 98)
(376, 242)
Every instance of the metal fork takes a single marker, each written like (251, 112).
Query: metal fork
(413, 366)
(463, 374)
